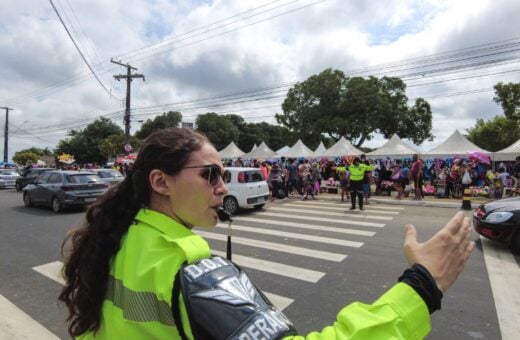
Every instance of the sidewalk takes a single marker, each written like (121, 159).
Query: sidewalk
(428, 201)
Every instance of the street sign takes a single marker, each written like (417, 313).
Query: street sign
(128, 147)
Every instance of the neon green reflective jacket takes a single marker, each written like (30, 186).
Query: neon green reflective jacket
(139, 294)
(357, 172)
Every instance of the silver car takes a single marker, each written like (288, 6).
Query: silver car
(8, 178)
(109, 176)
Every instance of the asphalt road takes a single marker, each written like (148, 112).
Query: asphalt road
(365, 265)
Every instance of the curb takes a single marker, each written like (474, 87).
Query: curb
(422, 203)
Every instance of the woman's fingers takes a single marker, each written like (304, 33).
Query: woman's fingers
(455, 224)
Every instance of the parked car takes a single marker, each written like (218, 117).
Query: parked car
(29, 175)
(62, 189)
(109, 176)
(8, 178)
(499, 220)
(247, 188)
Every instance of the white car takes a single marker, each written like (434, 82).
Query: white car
(247, 188)
(8, 178)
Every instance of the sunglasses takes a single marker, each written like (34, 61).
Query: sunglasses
(212, 172)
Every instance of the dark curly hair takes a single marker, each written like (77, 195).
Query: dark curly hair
(87, 267)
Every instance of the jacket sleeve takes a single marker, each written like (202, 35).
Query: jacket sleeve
(399, 314)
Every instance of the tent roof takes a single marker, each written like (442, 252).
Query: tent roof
(510, 153)
(342, 148)
(231, 151)
(298, 150)
(454, 145)
(393, 148)
(281, 151)
(319, 150)
(261, 152)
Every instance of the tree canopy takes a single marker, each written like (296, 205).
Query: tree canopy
(355, 108)
(508, 96)
(165, 120)
(85, 144)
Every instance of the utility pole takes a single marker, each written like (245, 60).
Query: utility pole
(128, 76)
(6, 131)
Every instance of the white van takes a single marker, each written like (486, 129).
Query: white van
(247, 188)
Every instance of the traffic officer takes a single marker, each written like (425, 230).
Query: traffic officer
(357, 175)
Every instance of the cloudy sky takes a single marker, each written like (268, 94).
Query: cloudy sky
(241, 57)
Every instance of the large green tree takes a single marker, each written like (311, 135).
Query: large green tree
(508, 96)
(162, 121)
(220, 130)
(85, 144)
(495, 134)
(355, 108)
(25, 156)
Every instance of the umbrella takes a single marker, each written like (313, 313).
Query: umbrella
(479, 156)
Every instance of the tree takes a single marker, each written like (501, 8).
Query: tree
(495, 134)
(166, 120)
(220, 130)
(84, 145)
(114, 145)
(508, 96)
(25, 156)
(355, 108)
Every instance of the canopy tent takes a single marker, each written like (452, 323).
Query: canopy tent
(342, 148)
(261, 152)
(231, 151)
(455, 145)
(510, 153)
(253, 148)
(297, 150)
(394, 148)
(282, 151)
(319, 150)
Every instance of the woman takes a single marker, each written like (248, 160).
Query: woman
(137, 271)
(396, 179)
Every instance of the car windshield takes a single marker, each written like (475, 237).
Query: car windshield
(83, 178)
(111, 173)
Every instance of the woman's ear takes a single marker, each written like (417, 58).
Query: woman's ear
(159, 182)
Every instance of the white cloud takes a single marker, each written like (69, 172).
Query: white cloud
(37, 53)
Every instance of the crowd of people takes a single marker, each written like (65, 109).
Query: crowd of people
(409, 177)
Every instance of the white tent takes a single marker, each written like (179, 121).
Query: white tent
(319, 150)
(297, 150)
(261, 152)
(282, 151)
(394, 148)
(231, 151)
(342, 148)
(455, 145)
(508, 154)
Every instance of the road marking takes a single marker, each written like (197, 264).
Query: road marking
(338, 207)
(305, 211)
(278, 301)
(369, 206)
(318, 254)
(504, 277)
(274, 267)
(52, 270)
(307, 226)
(279, 233)
(16, 324)
(323, 219)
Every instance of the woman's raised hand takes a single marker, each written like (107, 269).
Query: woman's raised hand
(445, 254)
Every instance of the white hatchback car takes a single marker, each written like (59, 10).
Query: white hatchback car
(247, 188)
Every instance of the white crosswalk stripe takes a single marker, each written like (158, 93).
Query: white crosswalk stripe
(318, 254)
(351, 215)
(323, 219)
(279, 233)
(342, 207)
(368, 206)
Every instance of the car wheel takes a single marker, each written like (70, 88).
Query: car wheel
(27, 200)
(230, 204)
(56, 205)
(515, 242)
(260, 206)
(18, 186)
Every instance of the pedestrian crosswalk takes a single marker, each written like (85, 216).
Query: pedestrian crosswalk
(321, 231)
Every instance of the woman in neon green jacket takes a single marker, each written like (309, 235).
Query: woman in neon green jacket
(136, 270)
